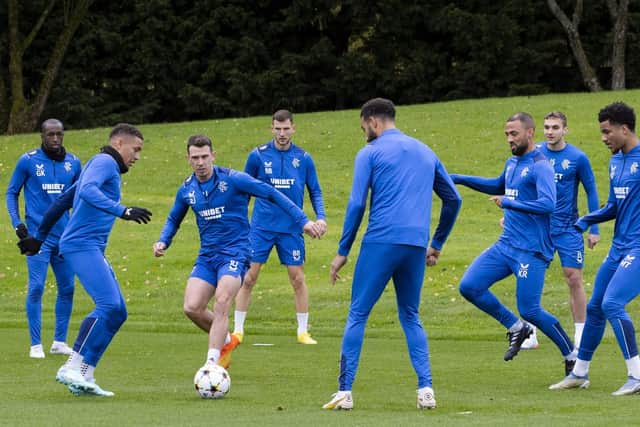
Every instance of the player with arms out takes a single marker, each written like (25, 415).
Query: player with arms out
(288, 168)
(527, 193)
(571, 167)
(44, 174)
(219, 198)
(616, 283)
(402, 174)
(95, 199)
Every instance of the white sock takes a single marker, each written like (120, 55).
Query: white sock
(58, 343)
(213, 355)
(578, 336)
(74, 361)
(582, 367)
(633, 367)
(303, 320)
(238, 321)
(516, 326)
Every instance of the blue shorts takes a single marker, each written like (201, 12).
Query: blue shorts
(570, 247)
(212, 268)
(290, 247)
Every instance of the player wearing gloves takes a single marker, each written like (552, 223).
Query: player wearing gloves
(43, 174)
(95, 199)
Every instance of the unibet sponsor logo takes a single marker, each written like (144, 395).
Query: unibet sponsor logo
(558, 177)
(511, 193)
(621, 192)
(53, 188)
(213, 213)
(283, 182)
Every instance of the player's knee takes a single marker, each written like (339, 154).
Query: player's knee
(574, 279)
(595, 311)
(612, 309)
(66, 291)
(192, 311)
(530, 312)
(249, 282)
(35, 293)
(115, 315)
(468, 290)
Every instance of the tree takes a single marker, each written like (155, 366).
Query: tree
(619, 13)
(24, 109)
(571, 27)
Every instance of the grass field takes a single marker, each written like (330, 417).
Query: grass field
(150, 364)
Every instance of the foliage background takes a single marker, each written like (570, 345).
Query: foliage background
(150, 61)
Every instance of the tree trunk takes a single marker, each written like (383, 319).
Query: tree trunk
(24, 114)
(619, 17)
(589, 76)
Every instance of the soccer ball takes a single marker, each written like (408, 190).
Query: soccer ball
(212, 381)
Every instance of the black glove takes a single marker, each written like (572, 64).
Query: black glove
(139, 215)
(29, 245)
(21, 231)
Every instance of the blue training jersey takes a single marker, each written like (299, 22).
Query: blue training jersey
(96, 205)
(402, 174)
(43, 180)
(529, 191)
(571, 167)
(288, 171)
(623, 203)
(221, 209)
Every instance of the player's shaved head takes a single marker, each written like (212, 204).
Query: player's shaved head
(49, 123)
(524, 118)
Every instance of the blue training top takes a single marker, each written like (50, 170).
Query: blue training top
(528, 202)
(220, 206)
(43, 179)
(288, 171)
(571, 166)
(96, 205)
(402, 174)
(623, 203)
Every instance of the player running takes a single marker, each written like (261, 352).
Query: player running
(527, 194)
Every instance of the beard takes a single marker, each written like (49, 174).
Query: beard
(519, 150)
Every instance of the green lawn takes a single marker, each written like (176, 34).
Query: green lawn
(151, 363)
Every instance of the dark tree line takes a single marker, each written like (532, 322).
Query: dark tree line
(176, 60)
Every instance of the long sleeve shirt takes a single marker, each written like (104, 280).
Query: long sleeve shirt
(623, 203)
(43, 180)
(527, 184)
(401, 173)
(220, 206)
